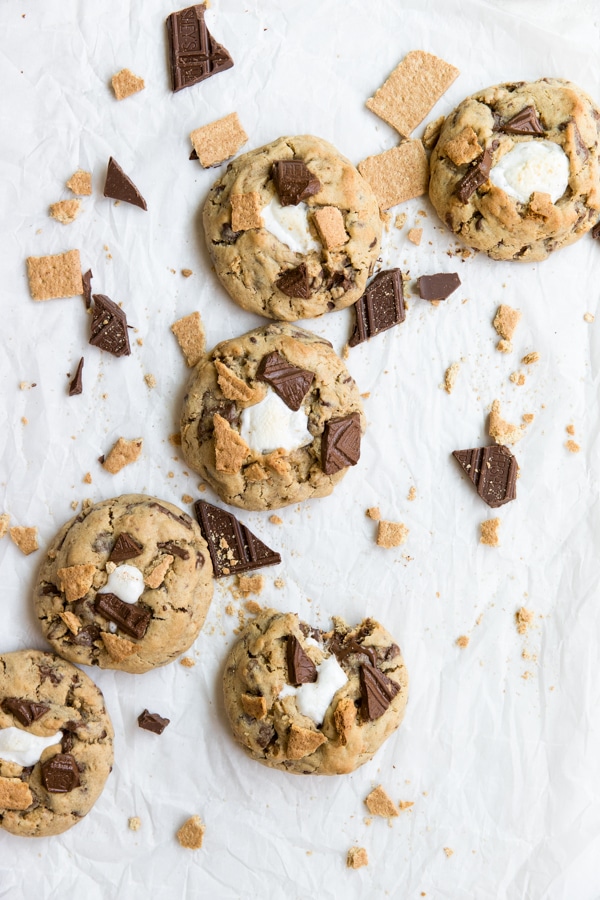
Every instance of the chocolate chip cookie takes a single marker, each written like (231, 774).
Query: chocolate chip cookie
(293, 229)
(56, 744)
(313, 702)
(126, 585)
(271, 418)
(515, 171)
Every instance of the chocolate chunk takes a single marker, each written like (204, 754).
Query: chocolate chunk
(173, 549)
(596, 231)
(119, 186)
(377, 692)
(380, 307)
(524, 122)
(152, 722)
(294, 181)
(346, 648)
(294, 282)
(48, 672)
(25, 711)
(493, 470)
(76, 386)
(438, 287)
(87, 288)
(194, 53)
(233, 548)
(289, 382)
(126, 547)
(193, 155)
(301, 668)
(85, 637)
(476, 176)
(131, 619)
(340, 445)
(265, 735)
(109, 327)
(60, 774)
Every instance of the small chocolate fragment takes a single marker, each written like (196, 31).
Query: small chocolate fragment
(380, 307)
(294, 282)
(131, 619)
(596, 231)
(493, 470)
(87, 288)
(294, 181)
(524, 122)
(174, 549)
(85, 637)
(109, 327)
(438, 287)
(25, 711)
(301, 668)
(377, 692)
(290, 382)
(152, 722)
(346, 648)
(76, 386)
(227, 537)
(126, 547)
(60, 774)
(119, 186)
(340, 445)
(193, 155)
(194, 53)
(48, 672)
(476, 176)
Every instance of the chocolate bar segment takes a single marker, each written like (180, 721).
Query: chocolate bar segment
(477, 175)
(87, 288)
(109, 327)
(340, 445)
(294, 182)
(194, 53)
(301, 668)
(438, 287)
(377, 692)
(342, 650)
(524, 122)
(152, 722)
(119, 186)
(380, 307)
(60, 774)
(76, 386)
(232, 547)
(131, 619)
(25, 711)
(126, 547)
(289, 382)
(295, 282)
(493, 470)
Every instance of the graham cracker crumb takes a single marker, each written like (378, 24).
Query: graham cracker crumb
(432, 132)
(134, 823)
(330, 225)
(81, 183)
(400, 220)
(186, 273)
(230, 608)
(588, 317)
(187, 498)
(219, 140)
(155, 578)
(448, 851)
(245, 211)
(406, 804)
(187, 662)
(14, 794)
(275, 520)
(344, 718)
(55, 276)
(279, 583)
(74, 504)
(398, 174)
(379, 804)
(504, 346)
(540, 204)
(87, 478)
(175, 439)
(150, 380)
(303, 741)
(524, 619)
(230, 448)
(24, 421)
(233, 388)
(254, 706)
(357, 858)
(75, 581)
(25, 538)
(391, 534)
(414, 235)
(122, 454)
(374, 512)
(253, 607)
(345, 351)
(72, 621)
(572, 447)
(4, 520)
(191, 833)
(530, 358)
(501, 430)
(489, 532)
(118, 648)
(412, 494)
(125, 83)
(450, 377)
(517, 378)
(140, 343)
(462, 641)
(506, 321)
(528, 418)
(251, 584)
(189, 332)
(65, 211)
(464, 148)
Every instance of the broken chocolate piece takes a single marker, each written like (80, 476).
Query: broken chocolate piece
(174, 549)
(493, 470)
(118, 186)
(76, 386)
(25, 711)
(193, 155)
(596, 231)
(380, 307)
(60, 774)
(340, 446)
(126, 547)
(294, 282)
(85, 637)
(233, 548)
(194, 53)
(294, 181)
(131, 619)
(524, 122)
(476, 176)
(377, 692)
(290, 382)
(109, 327)
(438, 287)
(87, 288)
(152, 722)
(343, 649)
(301, 668)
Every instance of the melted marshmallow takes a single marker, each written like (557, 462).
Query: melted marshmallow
(271, 424)
(532, 166)
(22, 747)
(289, 224)
(126, 582)
(313, 700)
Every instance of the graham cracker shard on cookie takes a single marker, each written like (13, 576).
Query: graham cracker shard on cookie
(391, 534)
(398, 174)
(303, 741)
(230, 448)
(191, 833)
(233, 388)
(155, 578)
(55, 276)
(65, 211)
(464, 148)
(254, 706)
(501, 430)
(413, 88)
(379, 804)
(125, 83)
(72, 621)
(14, 794)
(506, 321)
(80, 183)
(75, 581)
(219, 140)
(245, 211)
(189, 332)
(118, 648)
(344, 718)
(122, 454)
(432, 132)
(330, 225)
(25, 538)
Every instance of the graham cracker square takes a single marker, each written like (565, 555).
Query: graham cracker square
(189, 332)
(81, 183)
(398, 174)
(125, 83)
(391, 534)
(245, 211)
(219, 140)
(55, 276)
(330, 225)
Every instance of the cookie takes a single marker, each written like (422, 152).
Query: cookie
(515, 171)
(313, 702)
(56, 744)
(272, 418)
(293, 229)
(126, 585)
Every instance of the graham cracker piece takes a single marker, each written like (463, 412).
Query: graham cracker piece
(14, 794)
(187, 662)
(219, 140)
(398, 174)
(413, 88)
(379, 804)
(357, 858)
(400, 220)
(391, 534)
(450, 377)
(65, 211)
(4, 520)
(81, 183)
(462, 641)
(251, 584)
(230, 448)
(253, 607)
(155, 578)
(504, 346)
(186, 273)
(432, 132)
(303, 741)
(489, 532)
(530, 358)
(134, 823)
(189, 332)
(125, 83)
(233, 388)
(523, 619)
(274, 520)
(344, 718)
(191, 833)
(254, 706)
(55, 276)
(464, 148)
(72, 621)
(255, 473)
(122, 454)
(75, 581)
(374, 512)
(540, 204)
(572, 446)
(117, 647)
(506, 321)
(414, 235)
(501, 430)
(245, 211)
(406, 804)
(330, 225)
(25, 538)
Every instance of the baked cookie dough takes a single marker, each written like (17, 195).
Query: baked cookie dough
(288, 258)
(313, 702)
(515, 171)
(56, 744)
(126, 585)
(257, 450)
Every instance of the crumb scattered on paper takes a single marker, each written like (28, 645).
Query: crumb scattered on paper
(489, 532)
(524, 619)
(191, 833)
(501, 430)
(65, 211)
(125, 83)
(380, 804)
(122, 454)
(572, 446)
(391, 534)
(374, 512)
(462, 641)
(450, 377)
(135, 823)
(80, 183)
(357, 858)
(506, 321)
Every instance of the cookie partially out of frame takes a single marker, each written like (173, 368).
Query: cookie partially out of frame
(171, 566)
(47, 697)
(254, 264)
(262, 693)
(479, 136)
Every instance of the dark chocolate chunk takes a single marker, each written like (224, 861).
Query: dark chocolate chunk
(86, 636)
(60, 774)
(438, 287)
(174, 549)
(194, 53)
(51, 673)
(76, 386)
(596, 231)
(25, 711)
(131, 619)
(380, 307)
(119, 186)
(301, 668)
(265, 735)
(290, 382)
(340, 445)
(294, 282)
(493, 470)
(476, 176)
(232, 546)
(152, 722)
(87, 288)
(193, 155)
(580, 148)
(344, 649)
(109, 327)
(524, 122)
(294, 181)
(377, 692)
(126, 547)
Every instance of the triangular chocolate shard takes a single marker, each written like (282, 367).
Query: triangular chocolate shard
(126, 547)
(119, 186)
(290, 382)
(194, 53)
(524, 122)
(380, 307)
(76, 386)
(470, 460)
(340, 445)
(294, 282)
(377, 692)
(109, 327)
(301, 668)
(493, 470)
(233, 548)
(477, 175)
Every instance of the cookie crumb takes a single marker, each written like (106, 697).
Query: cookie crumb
(275, 520)
(357, 858)
(523, 619)
(489, 532)
(572, 446)
(379, 804)
(125, 83)
(189, 332)
(55, 276)
(504, 346)
(450, 377)
(251, 584)
(4, 521)
(24, 421)
(398, 174)
(150, 380)
(432, 132)
(134, 823)
(374, 512)
(122, 454)
(25, 538)
(187, 662)
(414, 235)
(330, 225)
(501, 430)
(462, 641)
(517, 378)
(191, 833)
(400, 221)
(391, 534)
(245, 211)
(588, 317)
(80, 183)
(412, 494)
(506, 321)
(448, 851)
(219, 140)
(530, 358)
(65, 211)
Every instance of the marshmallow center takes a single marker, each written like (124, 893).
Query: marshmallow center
(271, 424)
(289, 224)
(530, 166)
